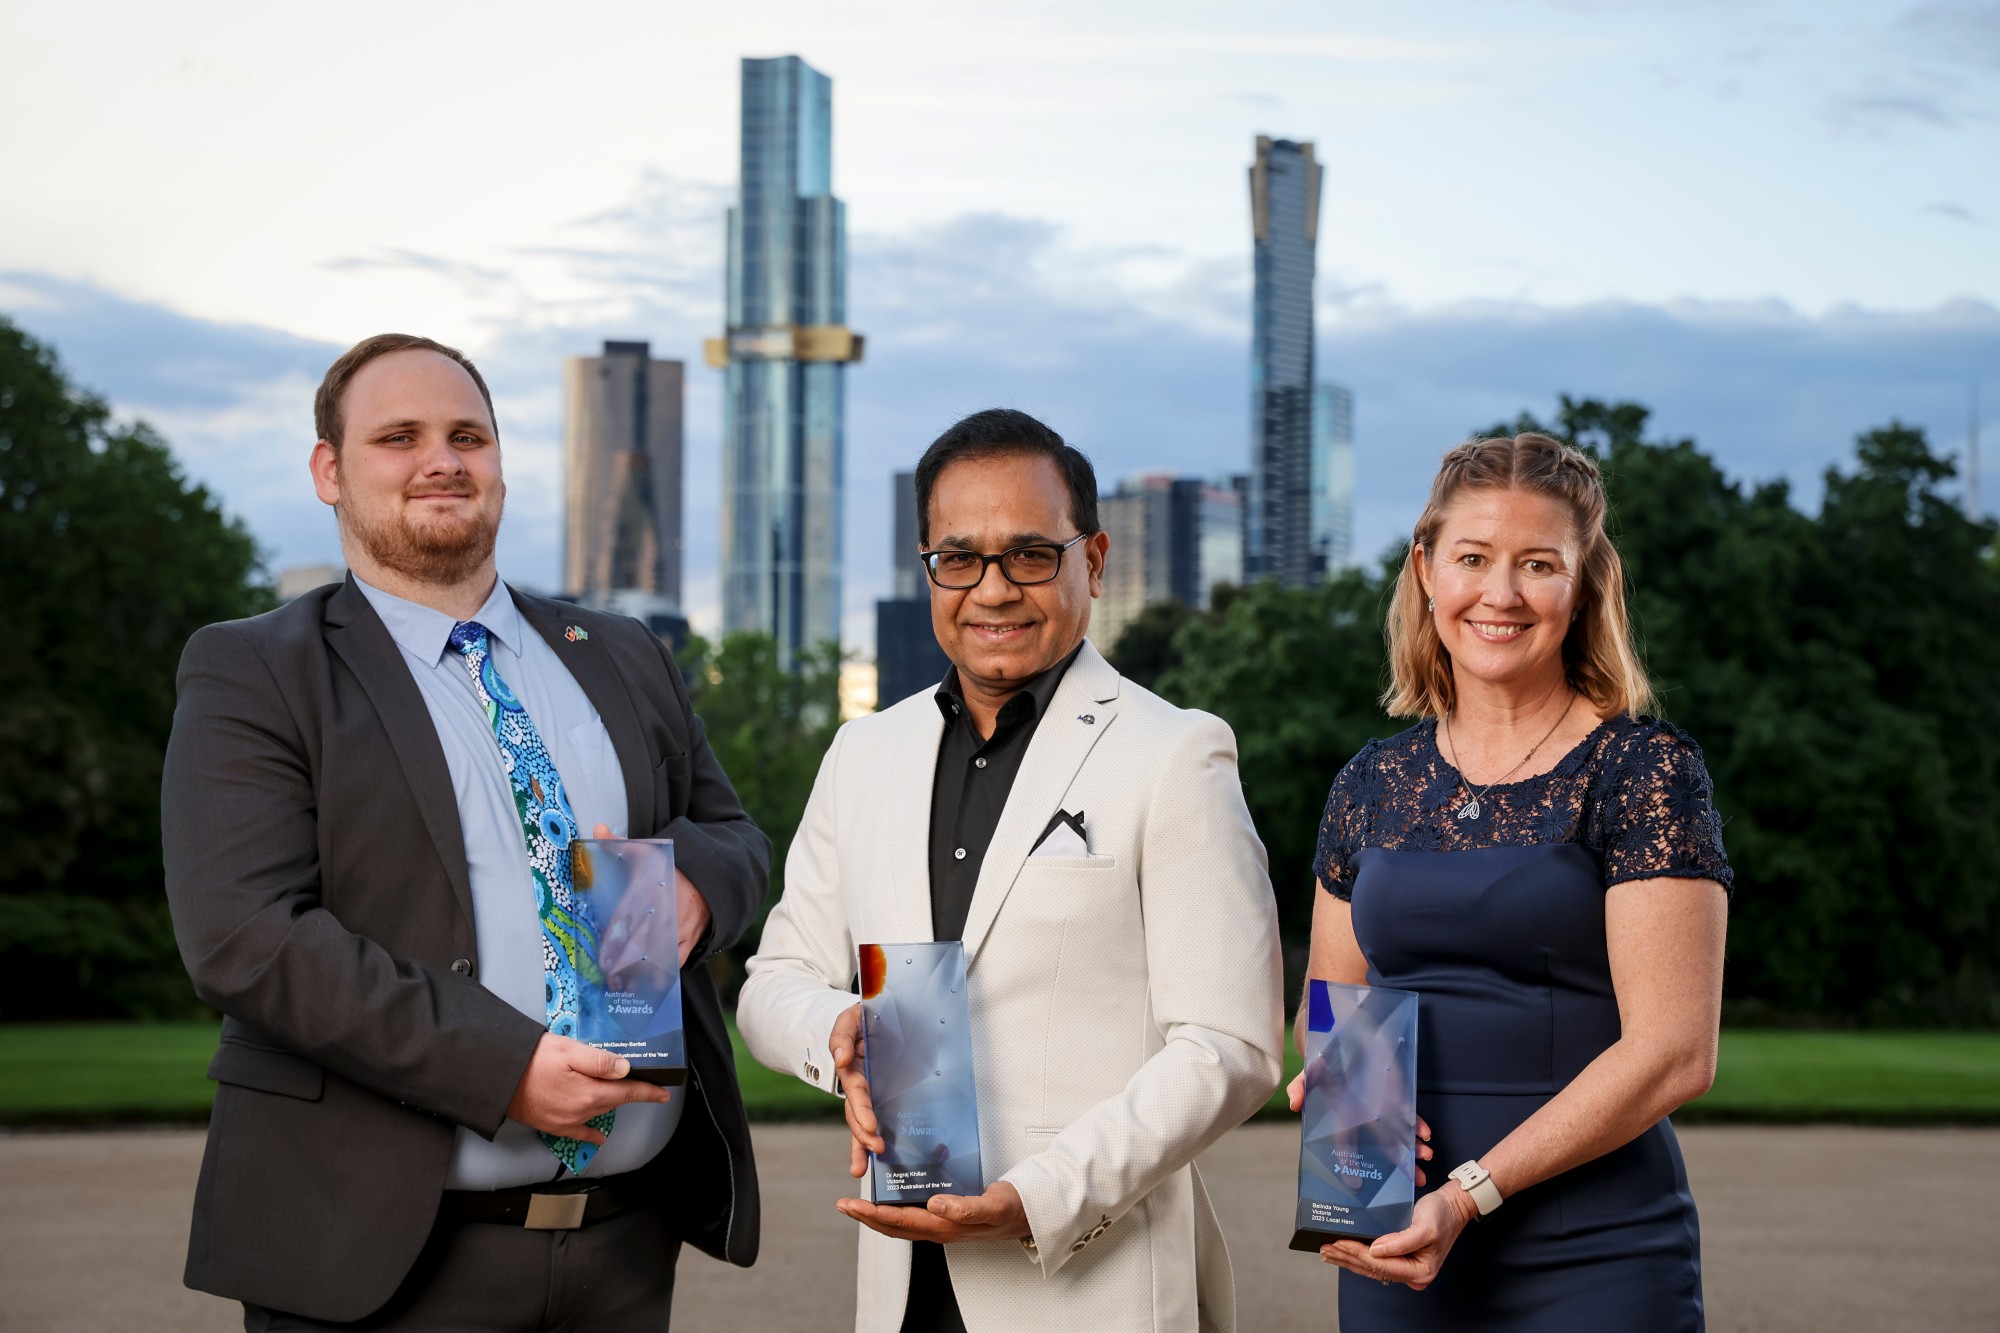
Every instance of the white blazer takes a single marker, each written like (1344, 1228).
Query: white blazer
(1125, 1006)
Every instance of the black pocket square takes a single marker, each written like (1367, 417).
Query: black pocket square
(1058, 820)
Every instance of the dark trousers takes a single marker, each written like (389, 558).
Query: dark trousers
(616, 1276)
(933, 1306)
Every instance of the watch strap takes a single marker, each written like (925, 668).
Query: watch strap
(1475, 1180)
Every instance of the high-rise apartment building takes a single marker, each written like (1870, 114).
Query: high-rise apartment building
(907, 581)
(622, 475)
(907, 656)
(1131, 577)
(1284, 213)
(1214, 515)
(1332, 478)
(1173, 539)
(785, 353)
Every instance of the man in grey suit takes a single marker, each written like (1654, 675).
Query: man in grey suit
(399, 1140)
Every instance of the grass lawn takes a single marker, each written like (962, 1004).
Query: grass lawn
(1883, 1077)
(122, 1073)
(104, 1073)
(1891, 1078)
(128, 1073)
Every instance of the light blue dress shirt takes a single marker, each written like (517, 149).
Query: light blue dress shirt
(504, 917)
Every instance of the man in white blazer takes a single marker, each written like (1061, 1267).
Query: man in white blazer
(1089, 843)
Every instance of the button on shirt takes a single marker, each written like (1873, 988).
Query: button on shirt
(970, 789)
(505, 921)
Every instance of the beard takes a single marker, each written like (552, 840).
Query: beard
(441, 550)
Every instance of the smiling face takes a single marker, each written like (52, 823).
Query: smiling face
(1503, 573)
(1000, 635)
(416, 480)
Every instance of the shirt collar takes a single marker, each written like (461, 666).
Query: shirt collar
(425, 632)
(1037, 692)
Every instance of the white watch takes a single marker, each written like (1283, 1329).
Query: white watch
(1477, 1181)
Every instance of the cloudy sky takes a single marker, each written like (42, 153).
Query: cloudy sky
(1773, 221)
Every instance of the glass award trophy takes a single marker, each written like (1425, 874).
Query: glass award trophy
(629, 980)
(1358, 1144)
(917, 1052)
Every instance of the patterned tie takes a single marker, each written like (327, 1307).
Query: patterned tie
(569, 936)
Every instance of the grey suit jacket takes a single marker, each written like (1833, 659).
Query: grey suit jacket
(317, 877)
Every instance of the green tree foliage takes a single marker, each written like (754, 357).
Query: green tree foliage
(770, 728)
(1837, 669)
(1296, 674)
(1145, 649)
(109, 560)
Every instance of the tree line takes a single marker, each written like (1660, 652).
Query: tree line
(110, 558)
(1836, 667)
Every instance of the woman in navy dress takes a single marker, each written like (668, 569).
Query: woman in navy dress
(1542, 863)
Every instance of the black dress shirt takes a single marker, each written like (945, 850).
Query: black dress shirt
(968, 794)
(970, 789)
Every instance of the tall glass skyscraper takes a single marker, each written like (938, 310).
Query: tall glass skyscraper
(1332, 478)
(785, 354)
(1284, 212)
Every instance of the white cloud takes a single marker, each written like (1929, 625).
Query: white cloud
(256, 163)
(1138, 355)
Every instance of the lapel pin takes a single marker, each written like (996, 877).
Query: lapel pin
(576, 634)
(1088, 719)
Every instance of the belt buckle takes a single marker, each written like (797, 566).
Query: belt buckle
(555, 1212)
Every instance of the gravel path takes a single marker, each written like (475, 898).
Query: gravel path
(1810, 1229)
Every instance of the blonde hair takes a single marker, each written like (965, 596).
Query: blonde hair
(1599, 656)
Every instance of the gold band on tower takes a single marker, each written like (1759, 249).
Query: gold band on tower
(784, 342)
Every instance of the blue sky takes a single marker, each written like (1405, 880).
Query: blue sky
(1774, 223)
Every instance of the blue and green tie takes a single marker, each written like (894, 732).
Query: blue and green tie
(569, 936)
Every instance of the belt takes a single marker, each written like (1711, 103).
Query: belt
(567, 1206)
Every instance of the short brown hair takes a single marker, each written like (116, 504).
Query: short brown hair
(1598, 653)
(327, 417)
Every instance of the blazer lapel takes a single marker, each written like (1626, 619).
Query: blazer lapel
(1082, 710)
(587, 662)
(361, 640)
(907, 786)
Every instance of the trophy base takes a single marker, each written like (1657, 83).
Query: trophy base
(1309, 1240)
(919, 1196)
(666, 1076)
(915, 1193)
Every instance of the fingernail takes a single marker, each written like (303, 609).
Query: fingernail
(621, 1068)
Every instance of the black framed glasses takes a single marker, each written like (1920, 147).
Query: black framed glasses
(1022, 566)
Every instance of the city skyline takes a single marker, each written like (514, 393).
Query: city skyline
(1782, 241)
(1173, 539)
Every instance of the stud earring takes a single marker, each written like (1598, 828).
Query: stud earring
(1431, 604)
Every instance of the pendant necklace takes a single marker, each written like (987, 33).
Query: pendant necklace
(1470, 810)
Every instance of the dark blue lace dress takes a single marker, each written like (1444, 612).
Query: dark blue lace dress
(1498, 923)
